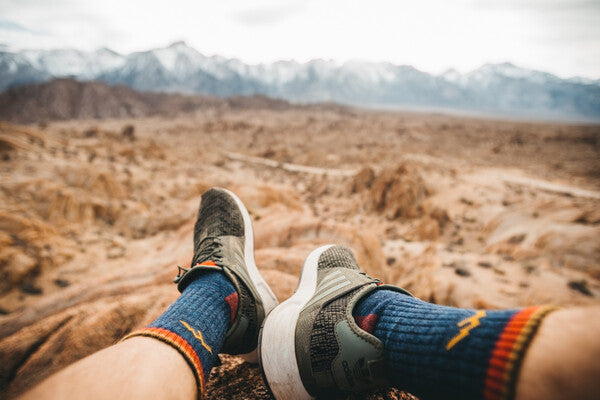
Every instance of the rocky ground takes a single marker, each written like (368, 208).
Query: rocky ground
(96, 214)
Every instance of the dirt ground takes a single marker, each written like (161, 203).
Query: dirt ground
(95, 215)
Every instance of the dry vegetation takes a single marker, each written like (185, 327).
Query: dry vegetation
(96, 214)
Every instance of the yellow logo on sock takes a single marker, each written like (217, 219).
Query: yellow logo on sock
(197, 334)
(466, 324)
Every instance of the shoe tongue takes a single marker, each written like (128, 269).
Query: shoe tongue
(338, 257)
(205, 251)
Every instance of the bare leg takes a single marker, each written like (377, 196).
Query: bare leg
(563, 361)
(138, 368)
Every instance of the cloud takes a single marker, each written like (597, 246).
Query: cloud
(269, 14)
(561, 36)
(540, 5)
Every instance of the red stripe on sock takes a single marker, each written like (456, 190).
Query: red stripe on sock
(367, 322)
(509, 350)
(232, 301)
(179, 344)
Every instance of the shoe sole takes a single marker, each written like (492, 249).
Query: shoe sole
(277, 340)
(267, 296)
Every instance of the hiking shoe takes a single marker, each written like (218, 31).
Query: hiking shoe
(224, 241)
(310, 344)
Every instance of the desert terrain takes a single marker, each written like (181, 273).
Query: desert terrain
(95, 214)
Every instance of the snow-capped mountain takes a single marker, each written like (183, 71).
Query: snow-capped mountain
(493, 88)
(69, 62)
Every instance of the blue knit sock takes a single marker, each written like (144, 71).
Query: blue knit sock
(451, 353)
(196, 324)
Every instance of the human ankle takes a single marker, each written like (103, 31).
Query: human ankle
(438, 351)
(195, 325)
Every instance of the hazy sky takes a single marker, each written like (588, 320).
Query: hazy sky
(560, 36)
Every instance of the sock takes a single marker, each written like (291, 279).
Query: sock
(435, 351)
(196, 324)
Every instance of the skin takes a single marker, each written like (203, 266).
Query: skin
(137, 368)
(562, 362)
(563, 359)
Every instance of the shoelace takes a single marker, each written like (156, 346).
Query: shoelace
(210, 249)
(369, 276)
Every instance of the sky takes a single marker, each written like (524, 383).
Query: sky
(558, 36)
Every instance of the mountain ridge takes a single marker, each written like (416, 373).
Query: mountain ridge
(66, 98)
(504, 88)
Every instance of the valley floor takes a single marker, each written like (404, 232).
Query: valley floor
(463, 212)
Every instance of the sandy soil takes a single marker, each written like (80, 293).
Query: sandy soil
(463, 212)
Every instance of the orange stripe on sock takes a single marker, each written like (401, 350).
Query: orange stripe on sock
(179, 344)
(509, 350)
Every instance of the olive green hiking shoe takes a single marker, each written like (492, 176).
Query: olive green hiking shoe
(310, 344)
(224, 241)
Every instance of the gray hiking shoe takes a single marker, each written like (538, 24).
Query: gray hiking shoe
(224, 241)
(310, 344)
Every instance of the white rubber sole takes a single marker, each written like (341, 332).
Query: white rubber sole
(267, 296)
(277, 342)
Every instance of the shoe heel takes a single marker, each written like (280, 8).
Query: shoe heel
(268, 297)
(277, 339)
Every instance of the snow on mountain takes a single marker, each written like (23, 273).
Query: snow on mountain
(504, 69)
(57, 62)
(183, 60)
(69, 62)
(371, 72)
(584, 81)
(280, 72)
(13, 62)
(453, 76)
(15, 69)
(179, 58)
(491, 73)
(504, 88)
(105, 60)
